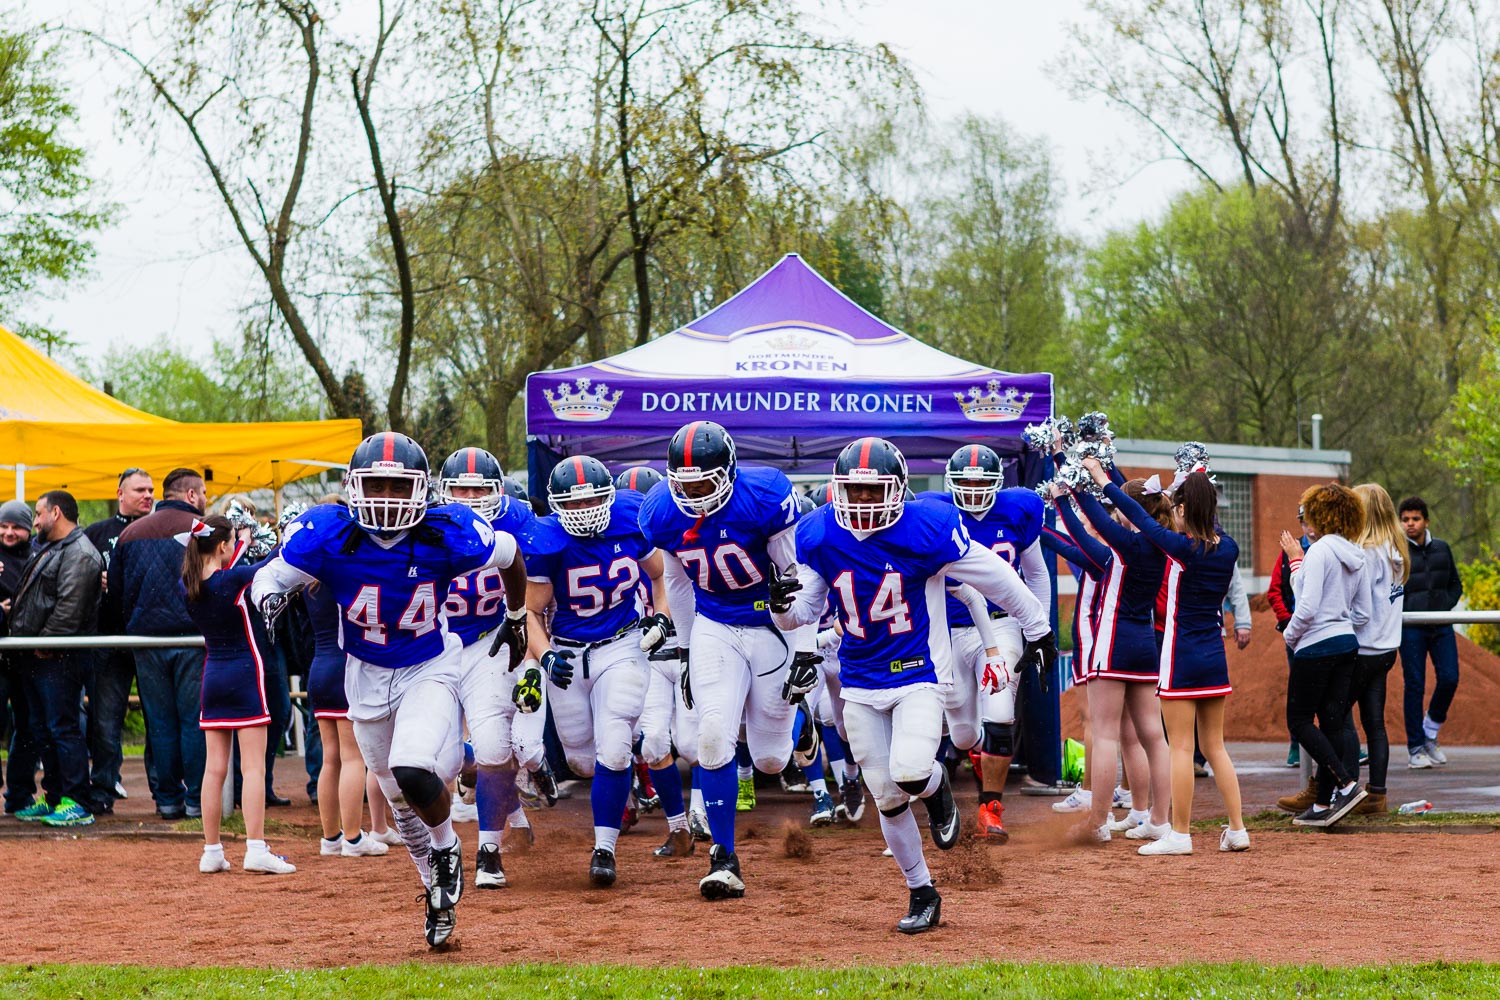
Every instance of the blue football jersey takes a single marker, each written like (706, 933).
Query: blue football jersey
(1008, 529)
(595, 581)
(724, 554)
(390, 599)
(879, 587)
(476, 602)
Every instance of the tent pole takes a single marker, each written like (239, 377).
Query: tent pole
(276, 485)
(21, 482)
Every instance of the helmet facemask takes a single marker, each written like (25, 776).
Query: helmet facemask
(708, 503)
(487, 505)
(867, 516)
(586, 521)
(379, 512)
(976, 500)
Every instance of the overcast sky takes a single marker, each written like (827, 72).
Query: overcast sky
(169, 269)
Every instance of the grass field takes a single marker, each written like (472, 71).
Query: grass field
(1020, 982)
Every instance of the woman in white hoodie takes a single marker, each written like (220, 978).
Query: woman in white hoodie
(1379, 638)
(1331, 601)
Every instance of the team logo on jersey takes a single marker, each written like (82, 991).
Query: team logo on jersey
(994, 405)
(411, 572)
(617, 550)
(901, 666)
(583, 402)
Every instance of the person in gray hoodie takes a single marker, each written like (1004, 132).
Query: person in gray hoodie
(1332, 601)
(1386, 569)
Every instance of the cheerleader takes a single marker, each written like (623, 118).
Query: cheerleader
(1194, 673)
(1124, 663)
(233, 697)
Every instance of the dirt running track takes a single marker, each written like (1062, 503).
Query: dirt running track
(1292, 898)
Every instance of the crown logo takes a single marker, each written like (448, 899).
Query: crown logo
(994, 404)
(791, 342)
(586, 404)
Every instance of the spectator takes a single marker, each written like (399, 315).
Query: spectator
(146, 573)
(1432, 585)
(1283, 602)
(22, 757)
(1385, 579)
(58, 596)
(113, 669)
(1331, 601)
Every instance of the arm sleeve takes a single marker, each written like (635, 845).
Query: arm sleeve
(995, 579)
(503, 553)
(1116, 476)
(1097, 553)
(1239, 601)
(782, 548)
(1116, 535)
(807, 607)
(1314, 569)
(1276, 594)
(979, 612)
(1034, 573)
(277, 577)
(680, 597)
(1179, 547)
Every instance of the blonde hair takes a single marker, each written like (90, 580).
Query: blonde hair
(222, 507)
(1382, 528)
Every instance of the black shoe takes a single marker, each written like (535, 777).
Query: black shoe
(546, 783)
(272, 799)
(679, 844)
(1343, 802)
(488, 872)
(602, 868)
(810, 743)
(852, 793)
(698, 827)
(723, 879)
(172, 815)
(942, 816)
(439, 924)
(925, 913)
(1312, 817)
(447, 877)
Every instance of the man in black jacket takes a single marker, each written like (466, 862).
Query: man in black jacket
(24, 755)
(146, 573)
(114, 669)
(1433, 585)
(58, 596)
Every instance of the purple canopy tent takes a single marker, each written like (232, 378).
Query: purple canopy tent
(795, 370)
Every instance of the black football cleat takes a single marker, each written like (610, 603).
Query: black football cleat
(602, 868)
(942, 816)
(723, 879)
(925, 912)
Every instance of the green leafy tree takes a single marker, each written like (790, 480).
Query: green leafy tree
(45, 213)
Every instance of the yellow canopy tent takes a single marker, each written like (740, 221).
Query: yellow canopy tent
(59, 432)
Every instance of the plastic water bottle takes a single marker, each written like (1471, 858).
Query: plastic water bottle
(1416, 808)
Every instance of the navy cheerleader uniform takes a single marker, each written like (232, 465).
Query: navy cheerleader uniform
(325, 676)
(1126, 647)
(1091, 562)
(233, 695)
(1193, 664)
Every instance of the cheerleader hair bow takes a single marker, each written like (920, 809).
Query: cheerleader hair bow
(1153, 485)
(201, 530)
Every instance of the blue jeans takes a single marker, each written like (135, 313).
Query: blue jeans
(171, 682)
(54, 690)
(1417, 643)
(108, 688)
(24, 752)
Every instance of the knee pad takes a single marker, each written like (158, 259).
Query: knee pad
(616, 759)
(581, 764)
(915, 786)
(999, 739)
(772, 765)
(419, 787)
(895, 811)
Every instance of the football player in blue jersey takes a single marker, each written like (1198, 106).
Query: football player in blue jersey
(389, 562)
(883, 563)
(502, 739)
(981, 707)
(586, 561)
(724, 531)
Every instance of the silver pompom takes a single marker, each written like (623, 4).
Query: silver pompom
(1066, 431)
(1038, 437)
(1094, 426)
(289, 513)
(1192, 456)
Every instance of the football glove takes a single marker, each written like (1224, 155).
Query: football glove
(655, 630)
(1040, 653)
(687, 684)
(558, 666)
(782, 590)
(801, 676)
(512, 633)
(527, 694)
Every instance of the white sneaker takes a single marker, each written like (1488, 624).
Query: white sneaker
(266, 863)
(1079, 800)
(887, 853)
(1171, 842)
(331, 848)
(1149, 830)
(1122, 799)
(388, 837)
(1132, 820)
(1418, 758)
(215, 862)
(1100, 834)
(365, 847)
(1435, 752)
(1234, 840)
(120, 790)
(462, 812)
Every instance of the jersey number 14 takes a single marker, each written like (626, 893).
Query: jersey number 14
(889, 605)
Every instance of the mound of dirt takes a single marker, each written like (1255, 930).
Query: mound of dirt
(1257, 709)
(796, 842)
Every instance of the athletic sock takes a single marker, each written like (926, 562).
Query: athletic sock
(905, 841)
(607, 797)
(742, 756)
(833, 743)
(605, 837)
(986, 797)
(719, 797)
(836, 765)
(442, 835)
(814, 770)
(668, 784)
(818, 785)
(327, 842)
(351, 841)
(517, 818)
(745, 773)
(697, 791)
(255, 847)
(491, 837)
(495, 797)
(676, 821)
(213, 848)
